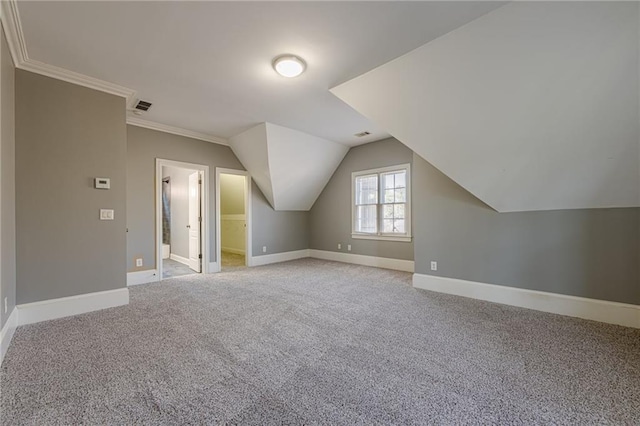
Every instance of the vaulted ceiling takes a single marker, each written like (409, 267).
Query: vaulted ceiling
(528, 105)
(206, 66)
(534, 106)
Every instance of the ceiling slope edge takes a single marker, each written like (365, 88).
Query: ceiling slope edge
(10, 18)
(251, 149)
(527, 108)
(290, 167)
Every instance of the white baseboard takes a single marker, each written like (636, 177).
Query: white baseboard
(278, 257)
(359, 259)
(6, 334)
(45, 310)
(180, 259)
(142, 277)
(573, 306)
(213, 267)
(232, 250)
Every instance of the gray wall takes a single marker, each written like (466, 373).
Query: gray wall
(330, 217)
(143, 147)
(590, 253)
(280, 231)
(8, 183)
(65, 136)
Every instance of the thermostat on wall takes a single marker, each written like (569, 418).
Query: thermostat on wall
(103, 183)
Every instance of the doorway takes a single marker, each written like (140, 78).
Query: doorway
(181, 218)
(234, 219)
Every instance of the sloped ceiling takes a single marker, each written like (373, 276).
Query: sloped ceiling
(533, 106)
(290, 167)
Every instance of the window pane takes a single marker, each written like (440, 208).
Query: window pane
(387, 226)
(388, 180)
(400, 180)
(398, 211)
(367, 189)
(366, 219)
(387, 211)
(388, 196)
(398, 225)
(400, 196)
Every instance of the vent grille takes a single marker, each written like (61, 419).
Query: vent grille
(143, 105)
(361, 134)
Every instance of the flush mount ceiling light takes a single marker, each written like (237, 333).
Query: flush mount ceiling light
(289, 65)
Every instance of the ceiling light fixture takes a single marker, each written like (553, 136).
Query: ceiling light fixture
(289, 65)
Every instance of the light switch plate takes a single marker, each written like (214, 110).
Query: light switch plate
(106, 214)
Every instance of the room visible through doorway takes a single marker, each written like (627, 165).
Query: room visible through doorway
(233, 221)
(181, 221)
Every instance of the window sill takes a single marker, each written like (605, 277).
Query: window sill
(381, 238)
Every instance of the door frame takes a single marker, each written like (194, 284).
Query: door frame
(247, 214)
(204, 211)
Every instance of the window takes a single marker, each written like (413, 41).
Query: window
(381, 204)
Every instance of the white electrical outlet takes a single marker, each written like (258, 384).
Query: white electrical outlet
(339, 246)
(138, 262)
(348, 247)
(434, 266)
(264, 249)
(5, 305)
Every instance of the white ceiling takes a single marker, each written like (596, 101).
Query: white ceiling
(206, 66)
(290, 167)
(534, 106)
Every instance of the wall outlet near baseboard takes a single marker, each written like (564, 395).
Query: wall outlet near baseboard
(339, 246)
(139, 262)
(348, 247)
(434, 266)
(264, 249)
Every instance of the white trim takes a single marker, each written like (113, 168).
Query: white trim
(77, 78)
(359, 259)
(139, 122)
(10, 17)
(247, 209)
(214, 267)
(279, 257)
(142, 277)
(233, 250)
(380, 237)
(580, 307)
(45, 310)
(6, 334)
(180, 259)
(13, 31)
(204, 203)
(21, 60)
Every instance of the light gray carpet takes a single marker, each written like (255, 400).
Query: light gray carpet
(232, 261)
(314, 342)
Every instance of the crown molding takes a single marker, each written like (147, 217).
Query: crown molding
(10, 18)
(18, 48)
(139, 122)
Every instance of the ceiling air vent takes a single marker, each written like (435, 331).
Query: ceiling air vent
(361, 134)
(142, 106)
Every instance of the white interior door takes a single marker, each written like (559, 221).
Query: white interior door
(194, 222)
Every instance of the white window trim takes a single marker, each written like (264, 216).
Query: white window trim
(381, 236)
